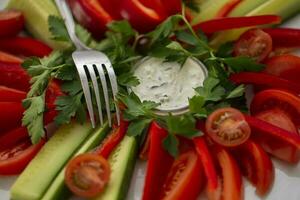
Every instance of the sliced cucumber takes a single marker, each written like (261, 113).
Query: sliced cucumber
(42, 170)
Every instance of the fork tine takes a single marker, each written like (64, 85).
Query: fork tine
(96, 91)
(105, 92)
(114, 86)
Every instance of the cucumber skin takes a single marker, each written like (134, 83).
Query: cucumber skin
(42, 170)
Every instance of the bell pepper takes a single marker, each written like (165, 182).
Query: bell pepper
(262, 79)
(156, 5)
(227, 8)
(11, 95)
(221, 24)
(159, 163)
(284, 37)
(9, 58)
(11, 23)
(112, 7)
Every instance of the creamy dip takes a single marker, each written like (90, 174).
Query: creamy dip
(168, 83)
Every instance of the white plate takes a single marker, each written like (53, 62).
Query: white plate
(287, 177)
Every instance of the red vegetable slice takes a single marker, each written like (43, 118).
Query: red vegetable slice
(172, 6)
(10, 115)
(112, 7)
(11, 95)
(225, 10)
(284, 37)
(13, 137)
(156, 5)
(159, 163)
(11, 23)
(9, 58)
(221, 24)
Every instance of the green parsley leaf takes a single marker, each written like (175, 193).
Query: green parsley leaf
(225, 50)
(136, 127)
(171, 144)
(58, 29)
(238, 64)
(211, 90)
(128, 80)
(196, 104)
(236, 92)
(122, 27)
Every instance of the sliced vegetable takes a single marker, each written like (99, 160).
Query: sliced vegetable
(254, 43)
(227, 127)
(185, 178)
(231, 4)
(11, 23)
(9, 58)
(10, 115)
(11, 95)
(13, 137)
(284, 37)
(112, 7)
(144, 153)
(172, 6)
(157, 5)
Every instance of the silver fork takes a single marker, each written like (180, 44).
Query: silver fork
(90, 63)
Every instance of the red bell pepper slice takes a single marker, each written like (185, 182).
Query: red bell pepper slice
(280, 143)
(221, 24)
(11, 138)
(159, 163)
(256, 165)
(11, 95)
(113, 139)
(262, 79)
(284, 37)
(225, 10)
(9, 58)
(25, 46)
(112, 7)
(155, 5)
(10, 115)
(11, 23)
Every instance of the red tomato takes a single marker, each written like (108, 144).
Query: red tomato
(256, 165)
(10, 115)
(11, 23)
(272, 98)
(13, 137)
(11, 95)
(253, 43)
(9, 58)
(278, 118)
(13, 160)
(284, 66)
(227, 127)
(87, 175)
(185, 179)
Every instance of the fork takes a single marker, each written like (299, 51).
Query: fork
(91, 64)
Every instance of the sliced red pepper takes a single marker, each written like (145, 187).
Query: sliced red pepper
(11, 95)
(113, 139)
(256, 165)
(284, 37)
(10, 115)
(144, 153)
(280, 143)
(262, 79)
(225, 10)
(9, 58)
(155, 5)
(172, 6)
(25, 46)
(221, 24)
(159, 163)
(11, 138)
(11, 23)
(112, 7)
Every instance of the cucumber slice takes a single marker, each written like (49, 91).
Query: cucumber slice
(39, 174)
(58, 190)
(36, 14)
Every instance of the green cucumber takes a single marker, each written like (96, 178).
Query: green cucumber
(58, 190)
(36, 14)
(42, 170)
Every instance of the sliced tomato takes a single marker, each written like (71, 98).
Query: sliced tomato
(225, 10)
(13, 160)
(272, 98)
(185, 178)
(280, 143)
(11, 23)
(227, 127)
(284, 66)
(256, 165)
(13, 137)
(87, 175)
(91, 15)
(25, 46)
(11, 95)
(9, 58)
(265, 80)
(278, 118)
(253, 43)
(10, 115)
(284, 37)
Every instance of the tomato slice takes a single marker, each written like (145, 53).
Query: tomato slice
(256, 165)
(11, 23)
(254, 43)
(10, 115)
(272, 98)
(280, 143)
(284, 66)
(11, 95)
(227, 127)
(13, 137)
(278, 118)
(185, 178)
(284, 37)
(9, 58)
(87, 175)
(13, 160)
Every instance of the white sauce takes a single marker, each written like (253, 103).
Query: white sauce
(168, 83)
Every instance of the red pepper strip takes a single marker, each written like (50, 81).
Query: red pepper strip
(221, 24)
(112, 7)
(284, 37)
(11, 95)
(11, 138)
(9, 58)
(25, 46)
(172, 6)
(225, 10)
(11, 22)
(263, 79)
(276, 141)
(113, 139)
(10, 115)
(159, 163)
(155, 5)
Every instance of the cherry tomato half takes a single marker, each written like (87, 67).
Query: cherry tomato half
(87, 174)
(227, 127)
(254, 43)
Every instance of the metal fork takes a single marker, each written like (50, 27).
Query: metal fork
(91, 64)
